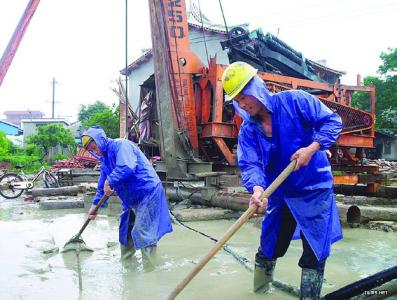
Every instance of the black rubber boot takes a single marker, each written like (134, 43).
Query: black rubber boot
(127, 252)
(311, 283)
(263, 273)
(149, 258)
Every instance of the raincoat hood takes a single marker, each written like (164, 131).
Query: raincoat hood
(99, 137)
(257, 89)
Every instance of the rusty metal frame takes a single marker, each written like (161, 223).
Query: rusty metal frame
(210, 99)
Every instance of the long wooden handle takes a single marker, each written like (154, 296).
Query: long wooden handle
(232, 230)
(103, 199)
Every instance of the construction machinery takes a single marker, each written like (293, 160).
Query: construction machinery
(197, 131)
(16, 38)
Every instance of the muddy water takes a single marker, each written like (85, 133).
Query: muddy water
(27, 273)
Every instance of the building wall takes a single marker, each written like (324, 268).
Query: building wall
(30, 128)
(76, 129)
(197, 45)
(136, 79)
(213, 46)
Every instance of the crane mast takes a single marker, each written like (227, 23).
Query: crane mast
(174, 65)
(16, 38)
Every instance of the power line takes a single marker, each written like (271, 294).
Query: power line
(126, 69)
(319, 5)
(346, 14)
(297, 9)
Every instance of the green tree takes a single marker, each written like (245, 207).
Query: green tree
(50, 136)
(86, 111)
(386, 93)
(108, 119)
(4, 144)
(389, 60)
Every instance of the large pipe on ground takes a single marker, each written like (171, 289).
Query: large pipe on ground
(362, 214)
(234, 201)
(64, 191)
(178, 194)
(349, 214)
(376, 213)
(240, 201)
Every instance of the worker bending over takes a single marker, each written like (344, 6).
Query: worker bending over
(276, 129)
(124, 168)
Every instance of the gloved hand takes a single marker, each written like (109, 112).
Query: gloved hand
(261, 205)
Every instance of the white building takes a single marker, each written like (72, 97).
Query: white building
(29, 127)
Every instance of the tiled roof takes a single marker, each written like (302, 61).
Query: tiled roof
(45, 120)
(327, 68)
(20, 112)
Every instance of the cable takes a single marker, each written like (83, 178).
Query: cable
(224, 20)
(126, 69)
(296, 9)
(202, 28)
(241, 259)
(201, 41)
(346, 14)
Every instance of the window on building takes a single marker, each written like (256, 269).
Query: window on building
(387, 147)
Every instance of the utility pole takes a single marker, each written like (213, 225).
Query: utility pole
(126, 70)
(53, 97)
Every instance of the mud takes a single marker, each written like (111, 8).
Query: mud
(29, 273)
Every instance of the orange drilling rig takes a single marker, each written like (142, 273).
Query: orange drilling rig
(197, 132)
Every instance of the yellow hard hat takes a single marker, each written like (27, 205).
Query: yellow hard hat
(85, 140)
(236, 77)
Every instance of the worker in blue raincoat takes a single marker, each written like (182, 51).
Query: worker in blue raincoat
(278, 128)
(124, 168)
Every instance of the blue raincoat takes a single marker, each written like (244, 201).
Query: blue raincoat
(129, 172)
(298, 119)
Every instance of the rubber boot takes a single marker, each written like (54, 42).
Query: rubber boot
(149, 258)
(311, 283)
(263, 273)
(128, 258)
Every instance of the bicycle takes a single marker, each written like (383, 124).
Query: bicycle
(12, 185)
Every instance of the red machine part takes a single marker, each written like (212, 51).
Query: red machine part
(358, 128)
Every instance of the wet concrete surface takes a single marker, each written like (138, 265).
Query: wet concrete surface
(27, 273)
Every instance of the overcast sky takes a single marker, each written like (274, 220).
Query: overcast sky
(81, 42)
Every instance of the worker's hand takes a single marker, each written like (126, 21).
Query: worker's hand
(261, 205)
(304, 155)
(107, 189)
(92, 212)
